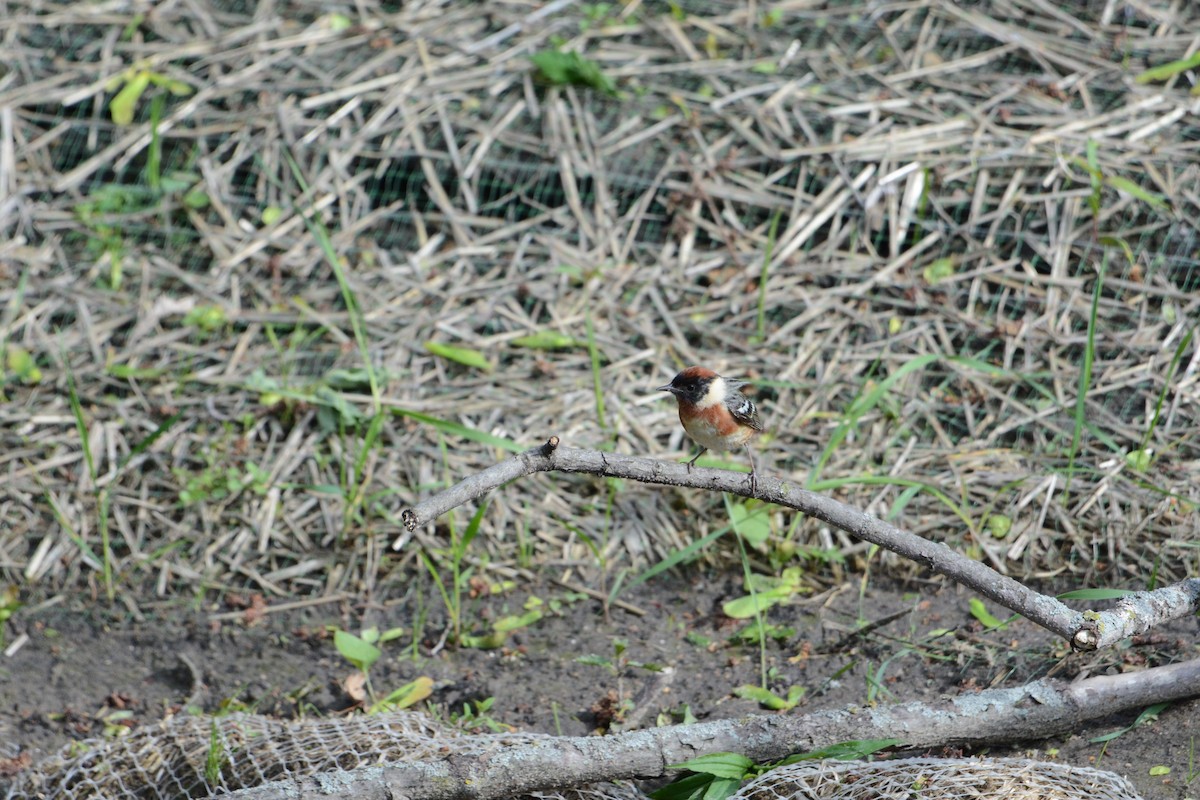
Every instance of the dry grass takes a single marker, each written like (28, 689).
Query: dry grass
(470, 205)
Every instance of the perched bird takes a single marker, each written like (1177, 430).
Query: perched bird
(714, 413)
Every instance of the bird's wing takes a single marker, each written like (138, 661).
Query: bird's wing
(743, 410)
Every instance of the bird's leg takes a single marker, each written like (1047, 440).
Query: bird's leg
(703, 450)
(753, 471)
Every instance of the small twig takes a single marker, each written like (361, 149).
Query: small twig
(862, 633)
(226, 616)
(1085, 630)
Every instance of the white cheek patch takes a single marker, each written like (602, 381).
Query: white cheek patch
(715, 395)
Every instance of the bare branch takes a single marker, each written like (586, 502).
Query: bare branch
(1085, 630)
(491, 767)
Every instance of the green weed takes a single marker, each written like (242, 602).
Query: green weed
(10, 603)
(354, 312)
(215, 758)
(768, 699)
(869, 400)
(1141, 458)
(1085, 379)
(363, 651)
(1149, 714)
(719, 775)
(451, 590)
(620, 660)
(502, 627)
(557, 68)
(761, 321)
(1192, 771)
(101, 494)
(765, 591)
(986, 618)
(133, 84)
(475, 716)
(215, 483)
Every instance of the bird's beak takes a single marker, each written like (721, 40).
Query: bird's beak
(667, 388)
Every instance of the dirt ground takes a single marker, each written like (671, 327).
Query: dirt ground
(80, 665)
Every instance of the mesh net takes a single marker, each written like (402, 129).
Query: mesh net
(195, 757)
(960, 779)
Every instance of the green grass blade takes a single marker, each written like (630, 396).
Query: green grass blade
(594, 355)
(1169, 70)
(466, 356)
(891, 480)
(461, 431)
(1085, 378)
(80, 425)
(682, 556)
(147, 442)
(471, 532)
(860, 406)
(1180, 349)
(761, 324)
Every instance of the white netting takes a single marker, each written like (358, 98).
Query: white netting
(191, 757)
(937, 779)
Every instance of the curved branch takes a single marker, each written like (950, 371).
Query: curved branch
(492, 767)
(1085, 630)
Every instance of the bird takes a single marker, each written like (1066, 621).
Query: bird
(715, 414)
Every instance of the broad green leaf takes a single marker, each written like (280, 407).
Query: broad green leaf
(547, 340)
(752, 524)
(566, 69)
(20, 362)
(390, 634)
(979, 611)
(206, 318)
(461, 355)
(721, 788)
(177, 88)
(1138, 459)
(722, 765)
(1129, 187)
(769, 699)
(196, 199)
(848, 751)
(1095, 594)
(358, 652)
(593, 661)
(511, 623)
(462, 431)
(487, 641)
(939, 270)
(407, 695)
(125, 103)
(689, 787)
(998, 525)
(750, 605)
(1169, 70)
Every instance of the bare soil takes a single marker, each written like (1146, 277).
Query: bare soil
(83, 662)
